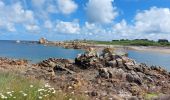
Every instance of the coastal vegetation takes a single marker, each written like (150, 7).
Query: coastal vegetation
(17, 87)
(135, 42)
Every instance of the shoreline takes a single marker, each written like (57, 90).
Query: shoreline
(151, 49)
(86, 46)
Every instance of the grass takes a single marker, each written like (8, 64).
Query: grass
(14, 87)
(131, 43)
(150, 96)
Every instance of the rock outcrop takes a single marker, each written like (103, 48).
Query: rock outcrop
(42, 41)
(13, 65)
(107, 75)
(71, 44)
(103, 76)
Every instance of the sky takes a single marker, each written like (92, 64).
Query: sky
(84, 19)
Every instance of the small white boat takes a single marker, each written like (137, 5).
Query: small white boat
(18, 41)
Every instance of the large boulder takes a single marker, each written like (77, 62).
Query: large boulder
(111, 73)
(119, 63)
(88, 59)
(133, 78)
(48, 69)
(108, 50)
(42, 41)
(104, 72)
(112, 63)
(108, 54)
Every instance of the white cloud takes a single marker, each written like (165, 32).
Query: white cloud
(101, 11)
(55, 6)
(11, 15)
(32, 28)
(93, 29)
(155, 20)
(52, 8)
(68, 27)
(48, 24)
(67, 6)
(152, 23)
(10, 27)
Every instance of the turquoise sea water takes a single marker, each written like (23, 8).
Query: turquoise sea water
(36, 52)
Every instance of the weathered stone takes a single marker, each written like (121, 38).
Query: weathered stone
(103, 72)
(87, 60)
(137, 80)
(108, 50)
(125, 59)
(162, 97)
(59, 67)
(93, 93)
(139, 69)
(129, 78)
(115, 97)
(111, 73)
(129, 66)
(119, 73)
(133, 78)
(149, 79)
(42, 41)
(119, 62)
(132, 98)
(112, 63)
(141, 75)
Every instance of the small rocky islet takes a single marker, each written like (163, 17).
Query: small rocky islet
(104, 76)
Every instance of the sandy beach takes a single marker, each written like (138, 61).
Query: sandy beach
(120, 48)
(151, 48)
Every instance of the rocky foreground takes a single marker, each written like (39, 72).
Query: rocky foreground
(104, 76)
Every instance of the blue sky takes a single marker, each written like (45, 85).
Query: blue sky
(84, 19)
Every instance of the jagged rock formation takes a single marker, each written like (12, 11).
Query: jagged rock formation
(106, 75)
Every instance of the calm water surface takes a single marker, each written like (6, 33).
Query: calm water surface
(151, 58)
(36, 53)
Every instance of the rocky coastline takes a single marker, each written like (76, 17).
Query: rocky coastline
(75, 44)
(103, 76)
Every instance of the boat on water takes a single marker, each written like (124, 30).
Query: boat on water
(18, 41)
